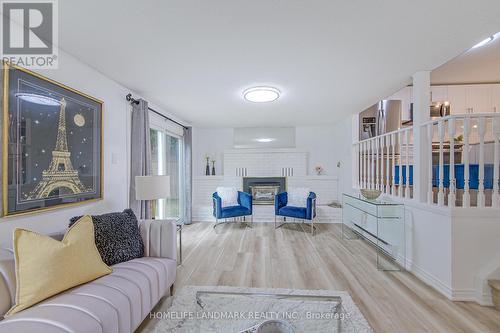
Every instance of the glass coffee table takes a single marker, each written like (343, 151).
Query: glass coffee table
(243, 312)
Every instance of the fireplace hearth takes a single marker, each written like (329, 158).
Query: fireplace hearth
(263, 189)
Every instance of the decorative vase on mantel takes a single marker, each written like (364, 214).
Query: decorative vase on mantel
(213, 167)
(207, 167)
(319, 170)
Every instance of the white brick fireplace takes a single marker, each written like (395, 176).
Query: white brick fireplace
(289, 163)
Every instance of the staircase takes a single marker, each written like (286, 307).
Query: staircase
(495, 290)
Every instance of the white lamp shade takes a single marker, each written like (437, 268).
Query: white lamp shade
(152, 187)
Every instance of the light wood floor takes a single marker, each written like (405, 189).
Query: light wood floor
(289, 257)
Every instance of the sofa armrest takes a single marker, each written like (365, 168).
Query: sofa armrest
(159, 238)
(7, 281)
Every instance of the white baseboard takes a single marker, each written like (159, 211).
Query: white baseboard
(472, 295)
(429, 279)
(456, 295)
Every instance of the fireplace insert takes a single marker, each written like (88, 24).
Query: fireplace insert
(263, 189)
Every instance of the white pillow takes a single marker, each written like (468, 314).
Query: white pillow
(297, 197)
(228, 195)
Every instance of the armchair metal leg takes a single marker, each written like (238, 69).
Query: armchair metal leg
(235, 220)
(276, 225)
(217, 223)
(250, 225)
(313, 227)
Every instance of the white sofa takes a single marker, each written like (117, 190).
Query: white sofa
(115, 303)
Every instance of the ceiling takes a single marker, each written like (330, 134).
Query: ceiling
(480, 65)
(329, 58)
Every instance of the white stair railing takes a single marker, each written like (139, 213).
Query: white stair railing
(383, 160)
(462, 162)
(400, 169)
(393, 173)
(465, 158)
(452, 189)
(478, 146)
(495, 129)
(441, 164)
(430, 135)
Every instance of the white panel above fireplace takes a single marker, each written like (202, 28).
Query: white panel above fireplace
(264, 137)
(265, 162)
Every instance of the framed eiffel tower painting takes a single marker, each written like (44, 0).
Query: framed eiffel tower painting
(52, 144)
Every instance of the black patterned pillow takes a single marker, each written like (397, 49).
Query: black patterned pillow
(117, 236)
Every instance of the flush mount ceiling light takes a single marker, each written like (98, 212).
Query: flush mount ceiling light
(265, 140)
(261, 94)
(484, 42)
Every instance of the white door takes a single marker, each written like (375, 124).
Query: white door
(439, 93)
(478, 98)
(456, 97)
(495, 97)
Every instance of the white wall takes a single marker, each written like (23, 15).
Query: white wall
(429, 245)
(318, 141)
(342, 152)
(211, 141)
(476, 253)
(75, 74)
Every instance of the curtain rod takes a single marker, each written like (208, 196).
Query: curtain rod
(132, 100)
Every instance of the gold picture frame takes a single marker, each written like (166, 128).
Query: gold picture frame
(59, 184)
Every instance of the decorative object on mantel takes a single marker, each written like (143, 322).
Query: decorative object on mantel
(53, 144)
(213, 167)
(370, 194)
(207, 167)
(319, 169)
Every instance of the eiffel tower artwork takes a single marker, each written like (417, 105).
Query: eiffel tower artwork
(60, 174)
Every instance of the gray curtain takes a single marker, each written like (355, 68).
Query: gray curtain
(188, 159)
(140, 156)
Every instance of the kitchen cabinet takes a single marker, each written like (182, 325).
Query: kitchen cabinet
(478, 98)
(495, 97)
(457, 98)
(439, 93)
(471, 98)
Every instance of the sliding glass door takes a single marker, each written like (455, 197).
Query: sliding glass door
(167, 159)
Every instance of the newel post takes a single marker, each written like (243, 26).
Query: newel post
(421, 114)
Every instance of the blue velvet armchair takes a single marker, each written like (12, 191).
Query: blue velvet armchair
(303, 213)
(243, 209)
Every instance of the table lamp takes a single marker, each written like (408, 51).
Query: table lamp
(152, 188)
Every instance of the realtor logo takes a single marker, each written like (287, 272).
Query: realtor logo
(29, 32)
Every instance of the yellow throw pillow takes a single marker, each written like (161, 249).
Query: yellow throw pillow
(46, 267)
